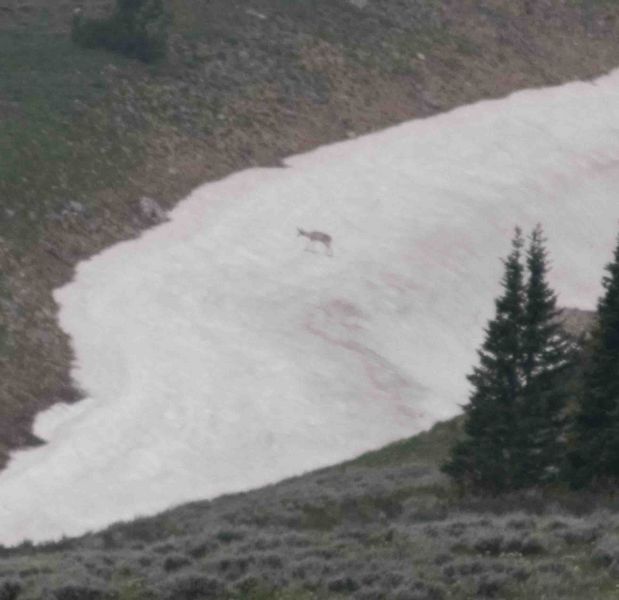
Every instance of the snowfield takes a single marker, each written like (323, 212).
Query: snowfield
(217, 354)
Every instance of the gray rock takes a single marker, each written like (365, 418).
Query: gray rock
(151, 209)
(75, 207)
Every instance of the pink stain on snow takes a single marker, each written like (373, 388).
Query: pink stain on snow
(387, 384)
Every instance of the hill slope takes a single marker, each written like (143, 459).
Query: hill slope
(83, 135)
(219, 356)
(381, 527)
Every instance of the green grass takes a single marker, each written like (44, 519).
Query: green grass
(429, 446)
(56, 144)
(46, 70)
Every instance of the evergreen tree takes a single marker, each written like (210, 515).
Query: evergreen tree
(515, 421)
(484, 459)
(594, 457)
(547, 355)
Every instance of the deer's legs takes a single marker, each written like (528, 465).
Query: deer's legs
(311, 247)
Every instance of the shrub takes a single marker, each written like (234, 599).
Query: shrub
(166, 548)
(307, 569)
(420, 591)
(466, 568)
(343, 585)
(520, 523)
(527, 546)
(201, 549)
(271, 561)
(226, 536)
(234, 567)
(175, 562)
(531, 546)
(79, 592)
(492, 545)
(606, 552)
(194, 587)
(579, 535)
(251, 585)
(490, 586)
(9, 590)
(267, 543)
(428, 513)
(137, 29)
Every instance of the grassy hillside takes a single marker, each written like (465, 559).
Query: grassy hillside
(381, 527)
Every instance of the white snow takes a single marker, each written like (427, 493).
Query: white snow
(217, 355)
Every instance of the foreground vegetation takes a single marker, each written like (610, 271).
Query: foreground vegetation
(516, 423)
(386, 525)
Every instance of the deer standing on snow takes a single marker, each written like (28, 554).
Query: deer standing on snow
(317, 236)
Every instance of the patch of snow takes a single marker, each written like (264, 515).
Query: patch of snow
(218, 354)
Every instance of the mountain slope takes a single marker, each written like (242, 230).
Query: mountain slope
(83, 135)
(218, 355)
(385, 526)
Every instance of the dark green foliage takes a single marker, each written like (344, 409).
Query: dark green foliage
(194, 587)
(594, 455)
(547, 357)
(9, 590)
(484, 459)
(78, 592)
(515, 421)
(175, 562)
(137, 29)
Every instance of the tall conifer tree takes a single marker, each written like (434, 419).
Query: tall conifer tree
(483, 460)
(546, 354)
(595, 453)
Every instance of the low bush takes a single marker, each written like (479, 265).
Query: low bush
(9, 590)
(233, 567)
(343, 585)
(606, 552)
(418, 590)
(226, 536)
(194, 587)
(201, 549)
(527, 546)
(579, 535)
(175, 562)
(137, 29)
(490, 586)
(492, 545)
(79, 592)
